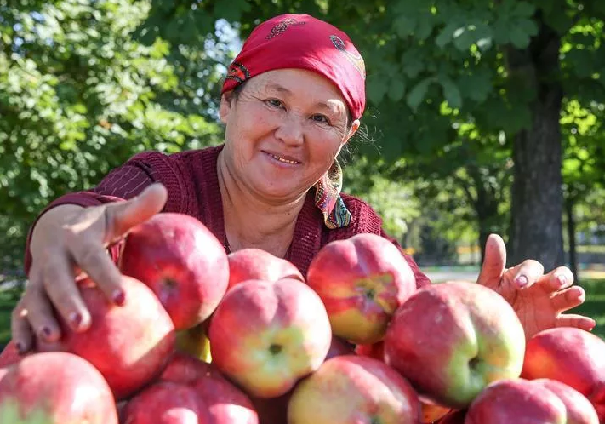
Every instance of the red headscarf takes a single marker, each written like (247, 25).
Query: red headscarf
(302, 41)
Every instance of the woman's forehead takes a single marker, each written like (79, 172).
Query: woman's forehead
(300, 83)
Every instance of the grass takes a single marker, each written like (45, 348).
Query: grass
(593, 307)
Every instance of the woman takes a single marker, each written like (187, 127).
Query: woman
(292, 99)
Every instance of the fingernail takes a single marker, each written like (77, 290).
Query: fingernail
(521, 281)
(118, 297)
(75, 318)
(20, 347)
(46, 332)
(561, 280)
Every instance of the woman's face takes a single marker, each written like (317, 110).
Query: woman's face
(283, 132)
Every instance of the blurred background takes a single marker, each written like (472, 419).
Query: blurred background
(482, 116)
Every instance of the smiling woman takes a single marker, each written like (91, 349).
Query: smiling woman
(292, 98)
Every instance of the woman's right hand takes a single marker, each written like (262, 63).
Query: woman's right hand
(67, 240)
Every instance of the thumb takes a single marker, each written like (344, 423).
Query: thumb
(494, 261)
(122, 216)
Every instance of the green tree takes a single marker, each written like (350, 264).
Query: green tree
(78, 96)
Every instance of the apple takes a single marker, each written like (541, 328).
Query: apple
(431, 411)
(226, 403)
(522, 401)
(339, 347)
(9, 355)
(352, 389)
(275, 410)
(194, 341)
(455, 416)
(572, 356)
(165, 402)
(266, 336)
(128, 344)
(373, 350)
(258, 264)
(451, 340)
(361, 281)
(183, 262)
(64, 387)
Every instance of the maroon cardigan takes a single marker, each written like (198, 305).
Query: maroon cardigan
(192, 183)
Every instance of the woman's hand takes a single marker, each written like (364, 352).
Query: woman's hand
(539, 299)
(67, 240)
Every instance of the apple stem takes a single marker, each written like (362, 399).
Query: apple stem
(275, 349)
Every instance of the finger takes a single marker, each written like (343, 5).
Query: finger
(526, 274)
(21, 331)
(62, 290)
(40, 314)
(576, 321)
(558, 279)
(494, 260)
(94, 259)
(122, 216)
(568, 298)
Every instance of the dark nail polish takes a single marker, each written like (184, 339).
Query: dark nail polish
(75, 318)
(118, 297)
(46, 332)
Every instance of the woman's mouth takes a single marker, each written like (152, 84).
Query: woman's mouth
(282, 159)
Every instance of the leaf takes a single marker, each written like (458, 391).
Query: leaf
(446, 34)
(524, 9)
(412, 63)
(417, 94)
(451, 92)
(397, 89)
(377, 88)
(404, 26)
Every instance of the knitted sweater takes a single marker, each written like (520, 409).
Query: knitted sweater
(191, 180)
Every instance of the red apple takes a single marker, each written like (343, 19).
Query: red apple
(572, 356)
(226, 403)
(266, 336)
(354, 389)
(258, 264)
(63, 386)
(183, 262)
(165, 402)
(455, 416)
(10, 355)
(451, 340)
(128, 344)
(361, 280)
(339, 347)
(374, 350)
(432, 412)
(275, 410)
(522, 401)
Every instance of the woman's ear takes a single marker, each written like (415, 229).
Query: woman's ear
(226, 105)
(354, 127)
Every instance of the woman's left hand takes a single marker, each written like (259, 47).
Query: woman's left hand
(539, 299)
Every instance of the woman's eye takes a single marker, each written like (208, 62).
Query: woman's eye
(274, 103)
(322, 119)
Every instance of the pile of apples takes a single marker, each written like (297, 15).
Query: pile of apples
(244, 338)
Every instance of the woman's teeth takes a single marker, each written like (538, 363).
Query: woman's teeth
(284, 160)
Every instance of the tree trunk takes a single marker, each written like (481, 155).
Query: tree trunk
(571, 235)
(537, 199)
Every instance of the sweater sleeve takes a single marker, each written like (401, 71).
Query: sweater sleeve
(124, 182)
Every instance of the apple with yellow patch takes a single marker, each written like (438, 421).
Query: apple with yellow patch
(362, 281)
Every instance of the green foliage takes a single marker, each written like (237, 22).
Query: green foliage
(79, 96)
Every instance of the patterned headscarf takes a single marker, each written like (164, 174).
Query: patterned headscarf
(304, 42)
